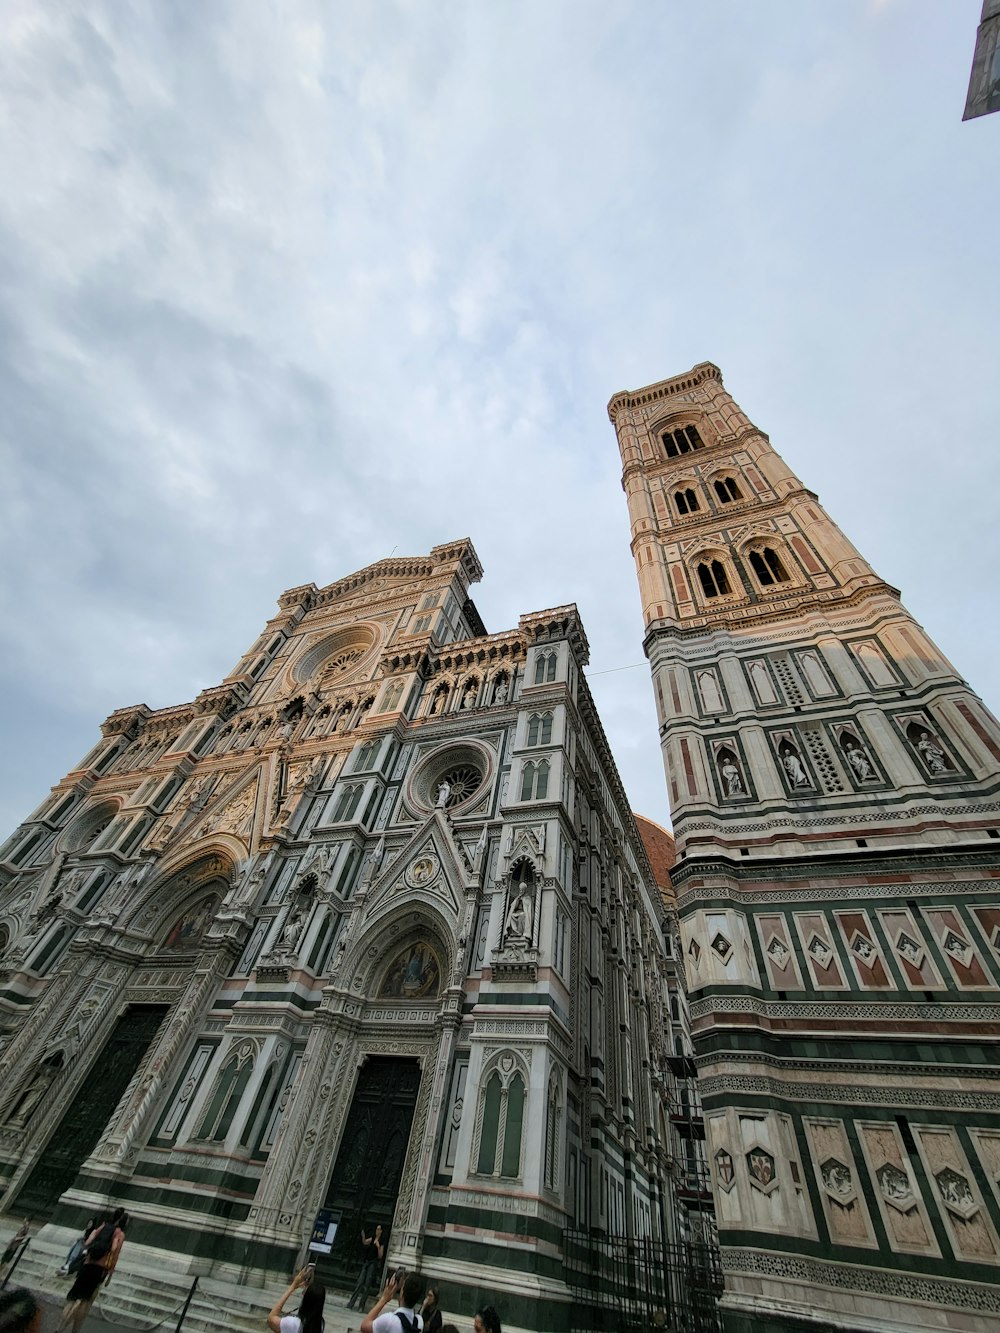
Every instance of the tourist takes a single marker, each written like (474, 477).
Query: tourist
(19, 1311)
(429, 1311)
(16, 1241)
(100, 1255)
(487, 1321)
(372, 1254)
(405, 1319)
(76, 1249)
(310, 1314)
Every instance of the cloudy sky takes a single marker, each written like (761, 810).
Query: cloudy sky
(287, 286)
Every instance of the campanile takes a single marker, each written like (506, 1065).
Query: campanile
(835, 793)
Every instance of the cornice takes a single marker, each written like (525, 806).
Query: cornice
(745, 611)
(702, 373)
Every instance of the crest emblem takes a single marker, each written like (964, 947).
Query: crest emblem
(725, 1170)
(820, 951)
(958, 948)
(760, 1164)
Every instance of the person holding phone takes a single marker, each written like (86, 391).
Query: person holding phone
(309, 1318)
(409, 1291)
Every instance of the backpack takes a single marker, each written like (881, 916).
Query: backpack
(100, 1247)
(409, 1325)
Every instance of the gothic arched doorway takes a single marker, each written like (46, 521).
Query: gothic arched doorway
(365, 1180)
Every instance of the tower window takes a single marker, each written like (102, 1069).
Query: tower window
(681, 441)
(713, 578)
(686, 501)
(545, 668)
(535, 781)
(768, 567)
(539, 729)
(727, 490)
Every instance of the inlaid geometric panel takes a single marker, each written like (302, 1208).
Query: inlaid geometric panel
(959, 1203)
(837, 1177)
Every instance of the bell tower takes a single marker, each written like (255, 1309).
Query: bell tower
(834, 790)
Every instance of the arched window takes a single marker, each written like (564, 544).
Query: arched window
(681, 441)
(713, 578)
(393, 694)
(768, 567)
(539, 729)
(501, 1123)
(545, 668)
(727, 490)
(366, 756)
(686, 501)
(535, 780)
(229, 1089)
(347, 802)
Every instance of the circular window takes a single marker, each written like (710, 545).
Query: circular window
(461, 782)
(450, 777)
(87, 827)
(336, 656)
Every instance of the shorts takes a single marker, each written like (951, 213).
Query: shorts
(87, 1281)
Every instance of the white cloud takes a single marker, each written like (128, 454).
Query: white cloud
(286, 287)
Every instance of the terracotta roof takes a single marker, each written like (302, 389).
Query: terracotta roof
(659, 845)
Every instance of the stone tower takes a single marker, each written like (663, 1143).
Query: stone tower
(834, 789)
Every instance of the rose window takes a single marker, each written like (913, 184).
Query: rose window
(343, 662)
(462, 782)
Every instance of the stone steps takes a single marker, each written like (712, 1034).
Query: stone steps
(143, 1296)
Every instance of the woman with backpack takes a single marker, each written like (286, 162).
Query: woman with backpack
(100, 1255)
(310, 1316)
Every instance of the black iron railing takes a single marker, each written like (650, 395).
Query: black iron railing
(624, 1286)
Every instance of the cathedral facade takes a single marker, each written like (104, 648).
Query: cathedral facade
(365, 934)
(835, 793)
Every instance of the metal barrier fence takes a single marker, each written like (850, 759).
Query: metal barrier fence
(623, 1286)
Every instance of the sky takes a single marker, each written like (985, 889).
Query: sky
(287, 287)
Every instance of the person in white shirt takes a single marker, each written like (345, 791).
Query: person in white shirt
(405, 1319)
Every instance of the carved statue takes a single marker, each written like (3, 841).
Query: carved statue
(934, 756)
(292, 931)
(501, 691)
(792, 764)
(859, 761)
(518, 923)
(732, 777)
(444, 791)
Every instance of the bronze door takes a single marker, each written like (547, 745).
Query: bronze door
(369, 1165)
(83, 1121)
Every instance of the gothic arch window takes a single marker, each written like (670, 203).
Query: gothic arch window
(53, 949)
(535, 780)
(768, 567)
(686, 501)
(727, 490)
(545, 668)
(683, 440)
(539, 729)
(347, 803)
(366, 756)
(712, 577)
(392, 696)
(230, 1086)
(500, 1122)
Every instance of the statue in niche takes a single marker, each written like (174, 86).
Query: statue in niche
(854, 752)
(501, 691)
(291, 932)
(468, 697)
(31, 1098)
(791, 762)
(443, 792)
(518, 923)
(729, 771)
(929, 749)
